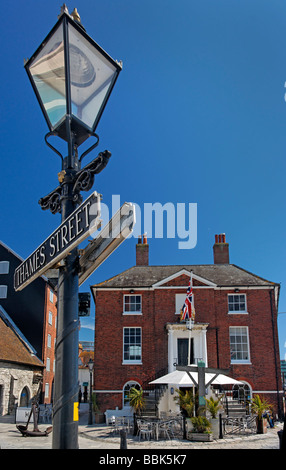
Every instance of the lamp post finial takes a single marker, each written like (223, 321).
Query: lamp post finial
(64, 9)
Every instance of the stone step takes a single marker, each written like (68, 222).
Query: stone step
(236, 408)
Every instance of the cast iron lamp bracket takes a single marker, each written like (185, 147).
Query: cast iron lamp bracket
(51, 146)
(82, 180)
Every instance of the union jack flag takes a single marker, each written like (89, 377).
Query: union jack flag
(188, 311)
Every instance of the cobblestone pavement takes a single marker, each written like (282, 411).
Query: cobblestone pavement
(101, 437)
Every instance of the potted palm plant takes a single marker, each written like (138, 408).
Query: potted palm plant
(213, 406)
(259, 406)
(137, 403)
(186, 401)
(99, 417)
(136, 400)
(201, 429)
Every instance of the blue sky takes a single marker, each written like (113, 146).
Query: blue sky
(198, 115)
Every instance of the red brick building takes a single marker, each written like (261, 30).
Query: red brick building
(49, 342)
(139, 335)
(34, 312)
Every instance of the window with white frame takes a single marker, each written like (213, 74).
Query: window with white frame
(239, 344)
(49, 341)
(132, 342)
(48, 366)
(126, 391)
(3, 292)
(132, 304)
(237, 303)
(180, 300)
(50, 318)
(4, 267)
(51, 296)
(47, 390)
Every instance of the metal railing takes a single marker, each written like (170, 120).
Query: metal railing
(158, 390)
(241, 425)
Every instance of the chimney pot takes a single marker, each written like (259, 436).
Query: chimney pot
(221, 250)
(142, 252)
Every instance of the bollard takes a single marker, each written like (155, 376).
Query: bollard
(123, 440)
(184, 428)
(220, 427)
(280, 435)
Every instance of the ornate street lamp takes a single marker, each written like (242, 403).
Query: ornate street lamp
(72, 77)
(90, 366)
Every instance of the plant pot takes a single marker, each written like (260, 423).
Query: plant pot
(99, 418)
(189, 425)
(200, 436)
(261, 426)
(215, 427)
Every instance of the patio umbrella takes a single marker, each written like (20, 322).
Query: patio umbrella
(222, 379)
(181, 378)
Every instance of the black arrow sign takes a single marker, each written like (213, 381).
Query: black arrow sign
(76, 228)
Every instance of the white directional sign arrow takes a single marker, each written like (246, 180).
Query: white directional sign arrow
(110, 237)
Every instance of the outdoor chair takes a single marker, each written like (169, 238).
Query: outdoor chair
(112, 420)
(122, 423)
(114, 425)
(177, 426)
(47, 415)
(144, 430)
(128, 424)
(165, 429)
(172, 426)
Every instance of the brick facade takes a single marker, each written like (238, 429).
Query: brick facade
(29, 309)
(50, 332)
(158, 301)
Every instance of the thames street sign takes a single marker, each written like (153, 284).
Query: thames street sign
(77, 227)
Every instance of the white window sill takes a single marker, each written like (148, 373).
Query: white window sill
(131, 363)
(238, 313)
(132, 313)
(240, 362)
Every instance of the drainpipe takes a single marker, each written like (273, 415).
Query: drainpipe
(217, 344)
(217, 347)
(275, 355)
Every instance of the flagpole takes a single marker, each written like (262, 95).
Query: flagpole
(190, 326)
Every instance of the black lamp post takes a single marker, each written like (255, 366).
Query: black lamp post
(72, 77)
(90, 366)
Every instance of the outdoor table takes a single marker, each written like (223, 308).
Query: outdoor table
(155, 426)
(122, 422)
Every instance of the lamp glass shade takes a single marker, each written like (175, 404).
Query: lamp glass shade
(47, 70)
(91, 76)
(72, 77)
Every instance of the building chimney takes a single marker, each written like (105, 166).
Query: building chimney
(142, 251)
(221, 250)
